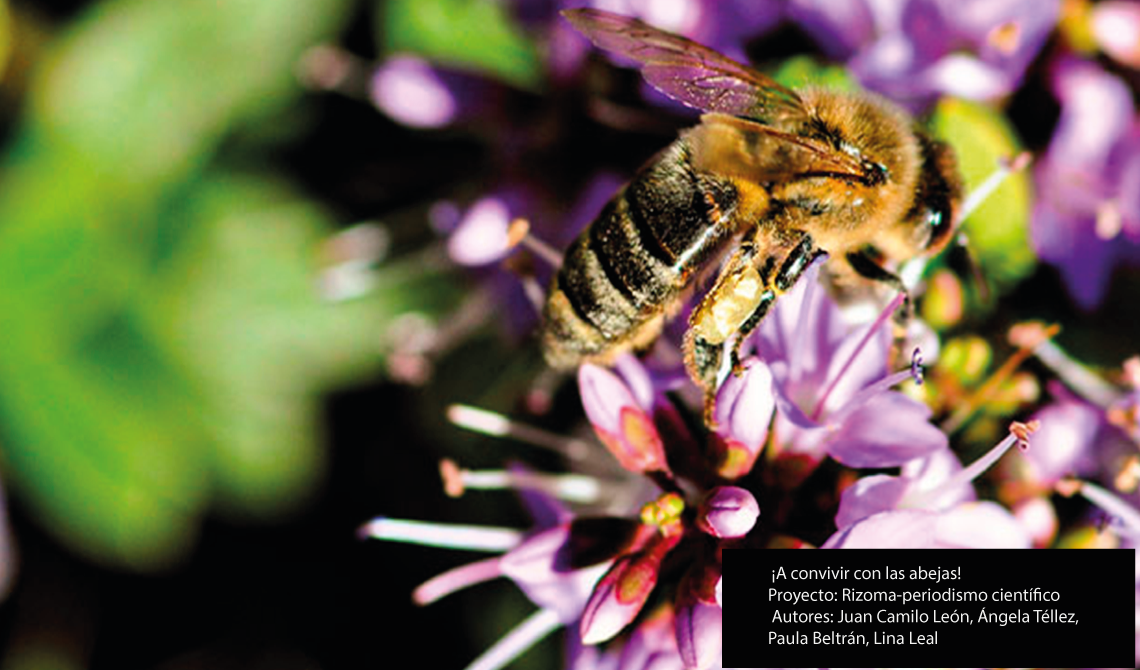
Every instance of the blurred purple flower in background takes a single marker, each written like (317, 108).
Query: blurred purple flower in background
(413, 93)
(1110, 26)
(915, 50)
(1087, 218)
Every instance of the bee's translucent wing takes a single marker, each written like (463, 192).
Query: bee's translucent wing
(731, 146)
(688, 72)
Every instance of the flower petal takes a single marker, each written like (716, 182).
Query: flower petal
(604, 395)
(980, 525)
(728, 511)
(745, 405)
(907, 529)
(889, 430)
(698, 627)
(535, 567)
(1063, 444)
(869, 496)
(481, 236)
(1116, 25)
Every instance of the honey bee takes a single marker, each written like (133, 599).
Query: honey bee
(769, 180)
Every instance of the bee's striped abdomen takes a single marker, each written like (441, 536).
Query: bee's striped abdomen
(631, 264)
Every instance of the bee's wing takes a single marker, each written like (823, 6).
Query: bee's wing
(732, 146)
(688, 72)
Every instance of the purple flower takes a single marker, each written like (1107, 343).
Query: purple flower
(623, 590)
(744, 408)
(413, 92)
(840, 29)
(1087, 216)
(698, 630)
(547, 567)
(1115, 25)
(651, 646)
(812, 384)
(727, 512)
(620, 411)
(832, 388)
(1064, 445)
(879, 493)
(916, 50)
(1039, 518)
(482, 234)
(929, 505)
(1090, 431)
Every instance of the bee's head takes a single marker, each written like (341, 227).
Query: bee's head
(937, 197)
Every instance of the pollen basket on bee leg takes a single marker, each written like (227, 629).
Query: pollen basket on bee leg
(729, 305)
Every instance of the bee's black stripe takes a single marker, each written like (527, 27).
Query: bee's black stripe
(681, 212)
(591, 293)
(646, 243)
(573, 297)
(641, 210)
(661, 204)
(617, 240)
(610, 246)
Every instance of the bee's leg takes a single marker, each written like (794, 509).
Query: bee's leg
(766, 299)
(717, 317)
(797, 260)
(864, 264)
(703, 361)
(744, 291)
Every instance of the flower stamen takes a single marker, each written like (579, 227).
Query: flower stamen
(521, 638)
(1075, 375)
(884, 315)
(1027, 342)
(457, 579)
(1018, 434)
(1022, 431)
(519, 233)
(497, 425)
(569, 487)
(984, 190)
(535, 294)
(1104, 499)
(916, 369)
(448, 536)
(1128, 478)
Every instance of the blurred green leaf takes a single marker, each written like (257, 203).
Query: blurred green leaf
(107, 435)
(999, 229)
(101, 444)
(800, 71)
(239, 308)
(478, 35)
(120, 111)
(205, 389)
(143, 90)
